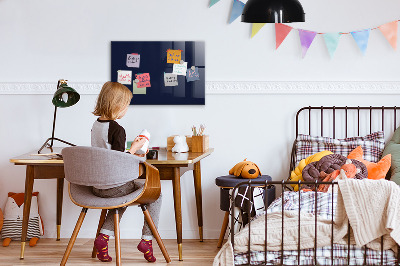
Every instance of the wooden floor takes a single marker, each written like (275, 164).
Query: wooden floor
(50, 252)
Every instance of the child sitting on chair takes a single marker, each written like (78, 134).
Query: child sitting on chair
(112, 104)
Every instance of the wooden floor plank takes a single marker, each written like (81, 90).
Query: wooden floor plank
(49, 252)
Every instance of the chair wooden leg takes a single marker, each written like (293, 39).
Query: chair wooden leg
(73, 237)
(117, 239)
(223, 229)
(154, 230)
(101, 222)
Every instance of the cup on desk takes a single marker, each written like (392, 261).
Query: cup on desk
(152, 155)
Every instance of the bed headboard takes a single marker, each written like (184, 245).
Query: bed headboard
(344, 121)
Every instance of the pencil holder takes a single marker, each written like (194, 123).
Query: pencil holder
(200, 143)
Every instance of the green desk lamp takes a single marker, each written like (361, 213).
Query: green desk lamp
(65, 96)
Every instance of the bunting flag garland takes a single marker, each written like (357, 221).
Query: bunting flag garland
(256, 27)
(332, 41)
(306, 39)
(389, 30)
(237, 9)
(281, 31)
(213, 2)
(361, 37)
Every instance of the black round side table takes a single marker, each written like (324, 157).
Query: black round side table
(228, 182)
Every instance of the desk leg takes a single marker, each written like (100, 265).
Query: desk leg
(60, 190)
(199, 204)
(27, 206)
(176, 182)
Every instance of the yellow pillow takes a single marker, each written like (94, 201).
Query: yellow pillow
(296, 174)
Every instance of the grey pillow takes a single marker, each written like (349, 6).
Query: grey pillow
(393, 148)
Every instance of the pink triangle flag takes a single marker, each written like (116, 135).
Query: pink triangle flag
(306, 39)
(281, 31)
(389, 30)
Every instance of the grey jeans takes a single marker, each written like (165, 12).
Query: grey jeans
(154, 208)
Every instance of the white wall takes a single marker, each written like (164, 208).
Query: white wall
(42, 41)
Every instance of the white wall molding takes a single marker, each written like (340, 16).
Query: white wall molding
(233, 87)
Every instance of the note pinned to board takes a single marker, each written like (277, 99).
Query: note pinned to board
(125, 77)
(133, 60)
(174, 56)
(136, 90)
(192, 74)
(170, 80)
(180, 69)
(144, 80)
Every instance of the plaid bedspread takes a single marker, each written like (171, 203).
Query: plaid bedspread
(307, 202)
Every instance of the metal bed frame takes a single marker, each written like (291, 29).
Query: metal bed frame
(283, 184)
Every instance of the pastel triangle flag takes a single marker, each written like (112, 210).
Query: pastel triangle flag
(361, 37)
(332, 41)
(389, 30)
(213, 2)
(237, 9)
(306, 39)
(281, 31)
(256, 27)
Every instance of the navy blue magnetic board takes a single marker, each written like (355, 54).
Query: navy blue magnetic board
(153, 60)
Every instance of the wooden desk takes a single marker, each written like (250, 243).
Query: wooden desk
(40, 167)
(171, 167)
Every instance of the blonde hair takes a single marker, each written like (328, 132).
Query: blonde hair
(112, 99)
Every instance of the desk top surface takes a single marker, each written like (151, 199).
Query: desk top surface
(164, 157)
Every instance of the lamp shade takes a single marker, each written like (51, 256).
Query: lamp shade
(273, 11)
(65, 96)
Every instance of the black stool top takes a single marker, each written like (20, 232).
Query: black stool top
(230, 181)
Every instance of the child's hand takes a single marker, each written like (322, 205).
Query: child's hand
(137, 144)
(143, 155)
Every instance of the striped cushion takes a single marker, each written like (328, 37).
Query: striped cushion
(13, 228)
(372, 145)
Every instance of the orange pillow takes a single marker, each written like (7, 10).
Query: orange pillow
(375, 170)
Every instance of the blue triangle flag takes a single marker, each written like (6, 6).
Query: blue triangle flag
(332, 41)
(213, 2)
(361, 37)
(237, 9)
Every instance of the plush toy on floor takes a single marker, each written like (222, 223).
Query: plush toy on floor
(13, 215)
(245, 169)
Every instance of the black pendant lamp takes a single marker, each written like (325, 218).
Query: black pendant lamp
(273, 11)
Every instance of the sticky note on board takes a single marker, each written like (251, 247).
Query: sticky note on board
(133, 60)
(136, 90)
(192, 74)
(144, 80)
(174, 56)
(124, 77)
(170, 80)
(180, 69)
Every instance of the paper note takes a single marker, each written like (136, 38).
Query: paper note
(125, 77)
(192, 74)
(174, 56)
(136, 90)
(170, 80)
(180, 69)
(133, 60)
(144, 80)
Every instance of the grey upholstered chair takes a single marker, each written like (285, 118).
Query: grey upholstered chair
(85, 167)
